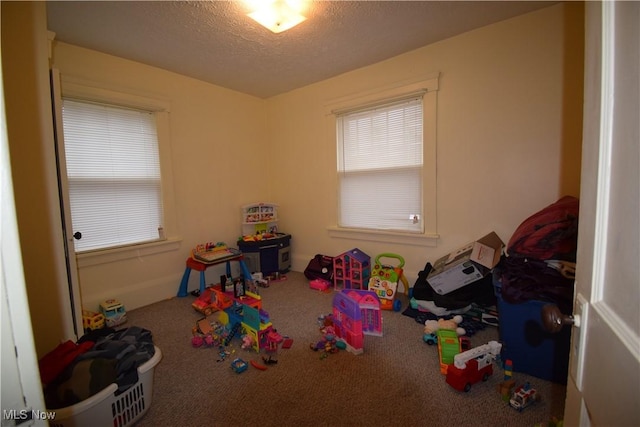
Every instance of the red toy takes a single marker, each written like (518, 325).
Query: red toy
(472, 366)
(319, 284)
(212, 300)
(271, 350)
(258, 365)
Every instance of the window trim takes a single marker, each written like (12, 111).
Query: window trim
(429, 86)
(76, 89)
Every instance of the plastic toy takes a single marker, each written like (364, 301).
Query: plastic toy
(201, 265)
(222, 354)
(384, 281)
(247, 342)
(351, 270)
(238, 314)
(197, 341)
(206, 341)
(207, 334)
(448, 347)
(212, 300)
(276, 277)
(431, 326)
(328, 344)
(271, 349)
(356, 313)
(239, 365)
(92, 321)
(202, 327)
(505, 387)
(523, 396)
(113, 312)
(319, 284)
(259, 280)
(472, 366)
(430, 338)
(213, 252)
(287, 343)
(258, 365)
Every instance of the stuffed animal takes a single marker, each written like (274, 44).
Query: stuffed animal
(431, 326)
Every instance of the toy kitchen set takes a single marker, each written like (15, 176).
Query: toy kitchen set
(265, 250)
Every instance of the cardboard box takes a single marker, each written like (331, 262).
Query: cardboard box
(466, 265)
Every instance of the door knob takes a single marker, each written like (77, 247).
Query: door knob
(554, 320)
(77, 235)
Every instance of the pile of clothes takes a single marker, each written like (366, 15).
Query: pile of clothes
(539, 264)
(73, 372)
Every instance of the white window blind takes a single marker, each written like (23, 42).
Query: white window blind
(113, 174)
(380, 160)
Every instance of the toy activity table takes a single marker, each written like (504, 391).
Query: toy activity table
(193, 264)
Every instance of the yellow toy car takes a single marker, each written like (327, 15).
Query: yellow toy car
(92, 320)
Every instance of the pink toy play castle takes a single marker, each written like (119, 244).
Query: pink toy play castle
(356, 313)
(351, 270)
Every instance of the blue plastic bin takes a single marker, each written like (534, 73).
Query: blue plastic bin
(526, 343)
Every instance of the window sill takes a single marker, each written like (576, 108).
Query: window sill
(107, 256)
(430, 240)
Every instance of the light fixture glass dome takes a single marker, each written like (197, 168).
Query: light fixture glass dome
(277, 15)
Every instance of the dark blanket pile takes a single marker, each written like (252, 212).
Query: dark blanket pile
(114, 357)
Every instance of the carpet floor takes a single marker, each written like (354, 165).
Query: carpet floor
(395, 382)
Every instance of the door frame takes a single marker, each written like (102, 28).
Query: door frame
(73, 310)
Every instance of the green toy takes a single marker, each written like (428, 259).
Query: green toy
(384, 281)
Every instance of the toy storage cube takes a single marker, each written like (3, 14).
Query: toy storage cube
(527, 344)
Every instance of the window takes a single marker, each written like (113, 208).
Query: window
(380, 161)
(113, 174)
(386, 163)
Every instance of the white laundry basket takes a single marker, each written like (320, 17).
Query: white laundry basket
(105, 409)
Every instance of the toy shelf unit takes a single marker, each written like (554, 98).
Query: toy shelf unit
(259, 218)
(351, 270)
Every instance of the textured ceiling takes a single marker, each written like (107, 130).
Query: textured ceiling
(216, 42)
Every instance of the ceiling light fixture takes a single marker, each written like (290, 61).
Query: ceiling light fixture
(277, 15)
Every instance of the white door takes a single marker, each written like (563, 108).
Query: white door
(603, 388)
(73, 308)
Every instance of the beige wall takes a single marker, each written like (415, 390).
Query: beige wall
(30, 132)
(509, 120)
(509, 123)
(217, 159)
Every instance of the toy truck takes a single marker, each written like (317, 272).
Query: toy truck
(472, 366)
(523, 396)
(92, 321)
(114, 312)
